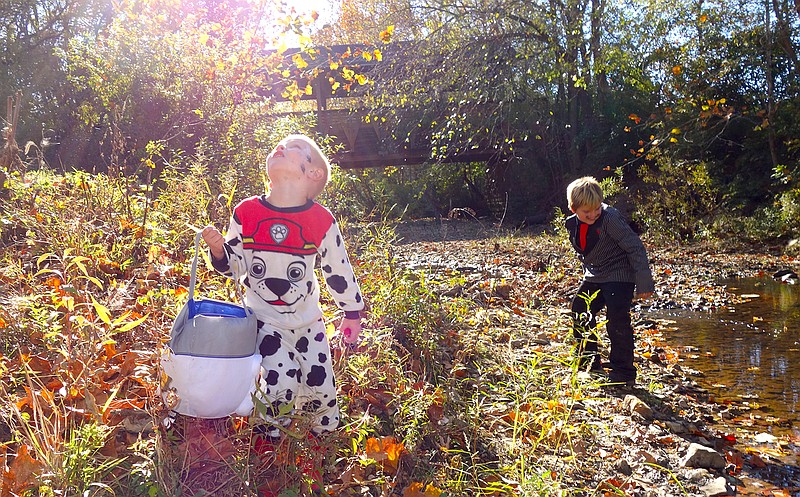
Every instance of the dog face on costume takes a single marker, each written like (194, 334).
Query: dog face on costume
(281, 280)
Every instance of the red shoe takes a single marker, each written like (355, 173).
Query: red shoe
(263, 444)
(266, 450)
(307, 465)
(266, 491)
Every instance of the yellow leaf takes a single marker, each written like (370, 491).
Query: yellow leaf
(676, 70)
(378, 55)
(132, 324)
(203, 39)
(386, 34)
(361, 79)
(102, 312)
(299, 62)
(334, 65)
(675, 131)
(386, 451)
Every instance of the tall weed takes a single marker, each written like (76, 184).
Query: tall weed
(65, 453)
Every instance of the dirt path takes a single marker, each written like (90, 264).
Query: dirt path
(645, 447)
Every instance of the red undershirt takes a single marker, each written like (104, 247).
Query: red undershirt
(583, 229)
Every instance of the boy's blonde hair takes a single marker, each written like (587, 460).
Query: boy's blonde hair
(584, 191)
(318, 161)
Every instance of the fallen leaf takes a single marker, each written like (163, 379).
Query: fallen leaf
(765, 438)
(21, 473)
(757, 462)
(735, 457)
(385, 451)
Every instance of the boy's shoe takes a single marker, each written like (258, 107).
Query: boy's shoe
(623, 385)
(591, 364)
(597, 368)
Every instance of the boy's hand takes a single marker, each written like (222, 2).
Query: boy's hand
(215, 241)
(350, 329)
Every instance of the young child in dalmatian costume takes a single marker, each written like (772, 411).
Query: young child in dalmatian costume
(271, 245)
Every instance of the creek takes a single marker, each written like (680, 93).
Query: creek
(749, 352)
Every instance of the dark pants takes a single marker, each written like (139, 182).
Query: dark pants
(616, 297)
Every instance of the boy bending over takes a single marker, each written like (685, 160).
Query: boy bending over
(615, 266)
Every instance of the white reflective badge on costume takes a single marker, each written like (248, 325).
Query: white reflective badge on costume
(278, 232)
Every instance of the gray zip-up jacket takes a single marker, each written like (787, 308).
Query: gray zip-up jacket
(611, 251)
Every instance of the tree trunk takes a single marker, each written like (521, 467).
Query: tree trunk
(10, 160)
(768, 39)
(573, 38)
(600, 73)
(783, 31)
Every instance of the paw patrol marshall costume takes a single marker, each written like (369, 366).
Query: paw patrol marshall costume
(273, 251)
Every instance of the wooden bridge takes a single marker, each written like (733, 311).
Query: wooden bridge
(371, 144)
(364, 142)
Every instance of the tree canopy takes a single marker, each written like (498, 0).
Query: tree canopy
(556, 89)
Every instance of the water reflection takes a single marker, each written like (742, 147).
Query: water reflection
(749, 351)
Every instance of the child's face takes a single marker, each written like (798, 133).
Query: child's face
(588, 214)
(290, 156)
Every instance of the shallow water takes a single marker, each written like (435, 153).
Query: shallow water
(749, 352)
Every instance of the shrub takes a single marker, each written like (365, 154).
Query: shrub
(678, 199)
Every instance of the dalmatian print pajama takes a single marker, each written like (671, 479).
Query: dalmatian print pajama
(273, 252)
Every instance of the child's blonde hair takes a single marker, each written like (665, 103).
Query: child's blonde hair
(584, 191)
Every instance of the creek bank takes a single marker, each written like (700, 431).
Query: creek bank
(669, 435)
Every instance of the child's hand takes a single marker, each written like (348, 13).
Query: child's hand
(644, 296)
(215, 241)
(350, 329)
